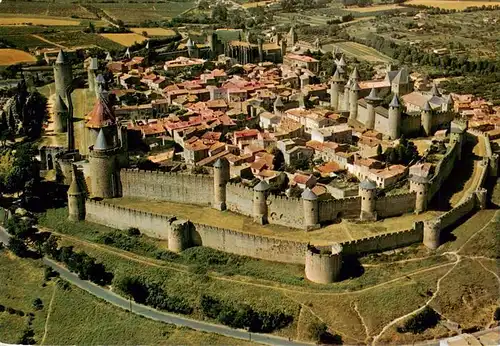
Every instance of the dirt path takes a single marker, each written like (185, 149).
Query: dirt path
(367, 332)
(46, 329)
(45, 40)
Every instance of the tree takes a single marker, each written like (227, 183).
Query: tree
(203, 5)
(37, 304)
(220, 13)
(18, 247)
(427, 318)
(379, 150)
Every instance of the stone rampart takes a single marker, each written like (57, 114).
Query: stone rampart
(383, 242)
(285, 211)
(239, 199)
(174, 187)
(443, 169)
(153, 225)
(395, 205)
(450, 217)
(339, 208)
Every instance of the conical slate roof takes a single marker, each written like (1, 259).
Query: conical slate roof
(190, 43)
(109, 57)
(435, 91)
(427, 107)
(341, 62)
(336, 76)
(100, 79)
(348, 84)
(355, 74)
(59, 105)
(278, 102)
(368, 185)
(127, 53)
(373, 96)
(308, 195)
(101, 143)
(220, 163)
(395, 102)
(262, 186)
(61, 58)
(355, 86)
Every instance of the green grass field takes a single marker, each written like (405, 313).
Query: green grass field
(359, 51)
(39, 8)
(127, 12)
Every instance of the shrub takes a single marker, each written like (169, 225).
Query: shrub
(427, 318)
(132, 231)
(20, 313)
(64, 285)
(27, 337)
(37, 304)
(11, 310)
(496, 315)
(2, 308)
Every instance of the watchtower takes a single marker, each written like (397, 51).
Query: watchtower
(419, 185)
(311, 212)
(104, 172)
(368, 192)
(92, 73)
(323, 267)
(426, 119)
(335, 89)
(221, 177)
(63, 75)
(76, 198)
(394, 118)
(60, 115)
(260, 202)
(372, 102)
(353, 100)
(432, 233)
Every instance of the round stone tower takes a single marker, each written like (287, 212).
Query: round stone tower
(335, 89)
(482, 198)
(323, 267)
(372, 101)
(76, 198)
(103, 168)
(191, 47)
(92, 73)
(63, 75)
(426, 119)
(432, 233)
(353, 100)
(419, 185)
(260, 202)
(178, 236)
(311, 212)
(221, 177)
(60, 115)
(368, 192)
(346, 96)
(394, 118)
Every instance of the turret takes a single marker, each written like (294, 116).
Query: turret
(260, 202)
(76, 198)
(292, 36)
(127, 54)
(261, 50)
(426, 119)
(432, 233)
(323, 267)
(191, 47)
(92, 73)
(368, 193)
(372, 102)
(104, 173)
(394, 118)
(311, 212)
(63, 75)
(100, 85)
(283, 47)
(108, 58)
(60, 115)
(304, 81)
(335, 89)
(346, 96)
(457, 130)
(355, 74)
(419, 185)
(221, 177)
(353, 100)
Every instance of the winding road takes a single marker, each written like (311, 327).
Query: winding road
(157, 315)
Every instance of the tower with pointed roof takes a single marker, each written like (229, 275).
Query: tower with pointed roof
(63, 75)
(346, 96)
(191, 48)
(60, 115)
(368, 193)
(426, 119)
(92, 73)
(335, 89)
(104, 170)
(372, 101)
(419, 185)
(221, 177)
(76, 197)
(353, 100)
(260, 202)
(394, 130)
(292, 36)
(278, 105)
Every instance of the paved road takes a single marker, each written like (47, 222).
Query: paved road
(148, 312)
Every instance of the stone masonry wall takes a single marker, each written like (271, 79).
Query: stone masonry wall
(346, 207)
(449, 218)
(394, 205)
(285, 211)
(239, 199)
(181, 188)
(443, 170)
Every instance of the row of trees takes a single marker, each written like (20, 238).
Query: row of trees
(243, 316)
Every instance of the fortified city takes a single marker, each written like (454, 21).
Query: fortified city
(237, 172)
